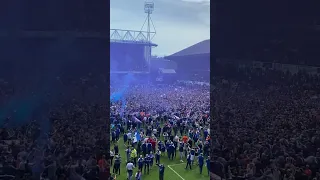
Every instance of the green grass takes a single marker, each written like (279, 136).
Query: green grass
(169, 174)
(188, 174)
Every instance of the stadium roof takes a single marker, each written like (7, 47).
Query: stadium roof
(202, 47)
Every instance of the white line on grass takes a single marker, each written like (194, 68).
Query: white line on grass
(175, 171)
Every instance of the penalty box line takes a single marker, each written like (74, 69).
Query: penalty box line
(169, 166)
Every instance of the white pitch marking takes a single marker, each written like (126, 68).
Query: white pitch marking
(175, 171)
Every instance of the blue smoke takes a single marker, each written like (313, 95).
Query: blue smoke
(118, 82)
(20, 111)
(122, 89)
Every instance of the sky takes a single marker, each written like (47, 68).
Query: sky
(178, 23)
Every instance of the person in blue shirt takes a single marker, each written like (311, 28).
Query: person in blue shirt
(205, 133)
(192, 153)
(147, 161)
(161, 171)
(117, 164)
(139, 145)
(188, 161)
(116, 149)
(140, 163)
(144, 149)
(162, 147)
(138, 175)
(128, 152)
(149, 147)
(181, 146)
(159, 144)
(195, 137)
(158, 154)
(117, 134)
(208, 164)
(113, 136)
(171, 150)
(197, 153)
(151, 158)
(201, 162)
(125, 138)
(167, 148)
(206, 148)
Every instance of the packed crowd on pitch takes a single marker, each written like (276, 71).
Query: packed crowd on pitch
(161, 122)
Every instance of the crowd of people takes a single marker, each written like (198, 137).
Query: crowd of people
(67, 141)
(171, 121)
(266, 124)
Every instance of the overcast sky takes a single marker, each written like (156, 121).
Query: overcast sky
(178, 23)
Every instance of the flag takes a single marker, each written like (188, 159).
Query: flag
(137, 137)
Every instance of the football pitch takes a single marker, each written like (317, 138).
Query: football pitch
(174, 169)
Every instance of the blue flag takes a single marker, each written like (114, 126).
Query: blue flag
(137, 136)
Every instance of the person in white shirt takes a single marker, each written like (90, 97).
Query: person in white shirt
(176, 138)
(129, 137)
(165, 135)
(130, 168)
(154, 131)
(111, 157)
(145, 139)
